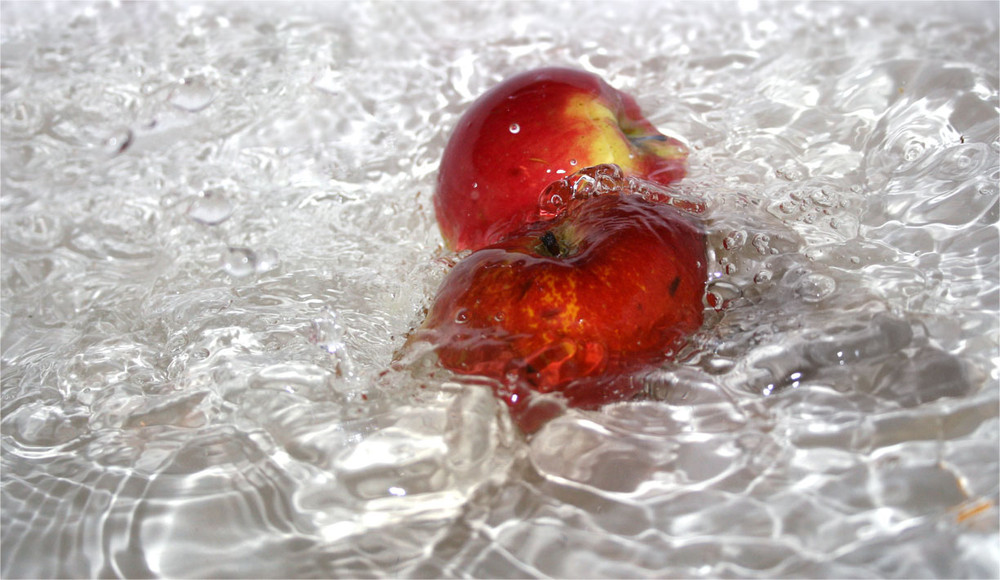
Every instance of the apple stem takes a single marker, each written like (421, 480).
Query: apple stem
(551, 243)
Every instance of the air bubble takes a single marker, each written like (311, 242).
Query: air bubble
(117, 142)
(239, 262)
(719, 295)
(461, 316)
(761, 243)
(734, 240)
(515, 128)
(267, 260)
(813, 288)
(34, 232)
(191, 95)
(21, 119)
(913, 151)
(762, 277)
(823, 198)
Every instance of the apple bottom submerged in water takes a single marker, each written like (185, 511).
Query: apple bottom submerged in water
(563, 311)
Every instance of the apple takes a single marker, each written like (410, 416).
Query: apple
(531, 130)
(563, 310)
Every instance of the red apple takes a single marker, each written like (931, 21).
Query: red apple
(531, 130)
(574, 304)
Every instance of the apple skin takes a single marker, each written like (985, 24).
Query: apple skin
(530, 130)
(573, 305)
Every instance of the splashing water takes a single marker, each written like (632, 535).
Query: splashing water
(217, 234)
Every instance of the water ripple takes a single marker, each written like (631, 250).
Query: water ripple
(218, 232)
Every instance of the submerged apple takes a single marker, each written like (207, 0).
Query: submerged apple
(574, 304)
(533, 129)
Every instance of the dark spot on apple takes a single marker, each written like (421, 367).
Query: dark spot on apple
(551, 312)
(524, 289)
(674, 285)
(550, 243)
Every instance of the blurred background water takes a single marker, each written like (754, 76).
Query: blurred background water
(217, 231)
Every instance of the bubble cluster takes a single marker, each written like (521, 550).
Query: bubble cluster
(606, 179)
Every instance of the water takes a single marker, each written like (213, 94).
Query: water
(217, 233)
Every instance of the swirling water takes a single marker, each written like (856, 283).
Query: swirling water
(217, 233)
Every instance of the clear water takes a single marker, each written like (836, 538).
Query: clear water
(217, 232)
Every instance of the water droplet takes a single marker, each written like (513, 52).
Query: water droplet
(515, 128)
(267, 260)
(573, 162)
(239, 262)
(212, 208)
(553, 199)
(584, 186)
(327, 332)
(461, 316)
(192, 95)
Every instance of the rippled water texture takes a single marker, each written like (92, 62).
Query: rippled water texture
(217, 232)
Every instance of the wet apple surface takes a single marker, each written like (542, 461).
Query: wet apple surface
(531, 130)
(574, 304)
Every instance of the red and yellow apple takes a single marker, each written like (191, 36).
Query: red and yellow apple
(530, 130)
(574, 304)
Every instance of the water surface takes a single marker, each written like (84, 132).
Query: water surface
(217, 232)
